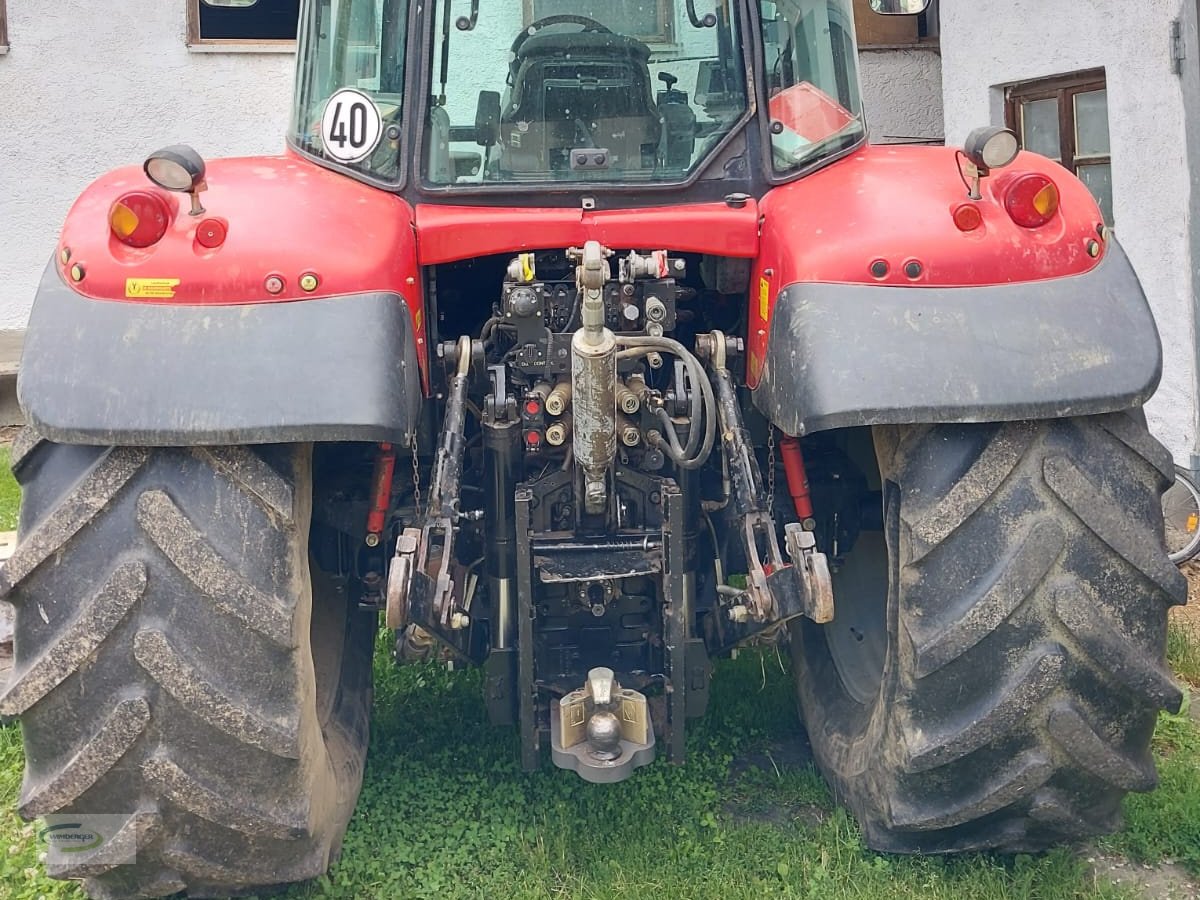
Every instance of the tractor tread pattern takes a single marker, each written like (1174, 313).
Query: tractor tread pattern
(1038, 675)
(199, 694)
(1022, 777)
(200, 634)
(1109, 522)
(994, 600)
(980, 481)
(27, 440)
(186, 547)
(100, 486)
(1028, 651)
(207, 798)
(1123, 663)
(1081, 741)
(118, 733)
(254, 476)
(91, 627)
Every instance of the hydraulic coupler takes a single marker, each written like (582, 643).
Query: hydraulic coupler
(778, 589)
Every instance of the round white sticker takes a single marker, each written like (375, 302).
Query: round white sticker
(351, 126)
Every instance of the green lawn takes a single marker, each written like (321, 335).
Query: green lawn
(446, 812)
(10, 494)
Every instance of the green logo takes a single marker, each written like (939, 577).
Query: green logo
(71, 838)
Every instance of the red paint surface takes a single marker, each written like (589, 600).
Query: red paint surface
(381, 488)
(449, 233)
(283, 216)
(287, 217)
(797, 477)
(897, 204)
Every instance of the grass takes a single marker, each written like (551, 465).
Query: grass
(1183, 652)
(446, 812)
(10, 494)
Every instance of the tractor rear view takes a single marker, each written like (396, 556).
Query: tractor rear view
(585, 349)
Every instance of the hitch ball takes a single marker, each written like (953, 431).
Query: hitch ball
(604, 735)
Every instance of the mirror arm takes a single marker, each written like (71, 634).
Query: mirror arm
(708, 21)
(465, 23)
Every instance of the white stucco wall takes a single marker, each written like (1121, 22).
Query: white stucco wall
(987, 47)
(902, 93)
(88, 86)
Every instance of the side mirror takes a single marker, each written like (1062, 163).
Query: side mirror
(899, 7)
(487, 119)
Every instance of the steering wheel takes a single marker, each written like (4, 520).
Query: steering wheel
(589, 25)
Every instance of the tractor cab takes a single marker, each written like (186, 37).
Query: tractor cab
(509, 92)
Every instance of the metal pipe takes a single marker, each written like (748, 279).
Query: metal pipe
(502, 451)
(594, 382)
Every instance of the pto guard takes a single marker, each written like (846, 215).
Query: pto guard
(339, 368)
(844, 355)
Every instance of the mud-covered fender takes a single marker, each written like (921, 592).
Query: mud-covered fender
(872, 307)
(181, 344)
(844, 355)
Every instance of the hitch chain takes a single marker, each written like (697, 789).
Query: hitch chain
(421, 568)
(776, 590)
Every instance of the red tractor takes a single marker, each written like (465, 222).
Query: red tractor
(584, 348)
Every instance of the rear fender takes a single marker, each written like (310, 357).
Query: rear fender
(1001, 323)
(847, 355)
(179, 344)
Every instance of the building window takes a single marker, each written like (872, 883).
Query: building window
(648, 20)
(1066, 119)
(875, 31)
(242, 21)
(3, 27)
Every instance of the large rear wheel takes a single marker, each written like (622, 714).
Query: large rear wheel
(178, 666)
(996, 666)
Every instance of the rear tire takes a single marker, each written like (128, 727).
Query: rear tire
(177, 664)
(1021, 633)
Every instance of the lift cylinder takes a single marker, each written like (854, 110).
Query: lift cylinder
(594, 400)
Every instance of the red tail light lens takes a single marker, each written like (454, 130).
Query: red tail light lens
(139, 219)
(1032, 200)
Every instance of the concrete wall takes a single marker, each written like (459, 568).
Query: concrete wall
(985, 48)
(89, 86)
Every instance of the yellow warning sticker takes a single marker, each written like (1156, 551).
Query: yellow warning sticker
(151, 288)
(764, 299)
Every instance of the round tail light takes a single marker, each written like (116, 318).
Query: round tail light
(967, 217)
(1031, 200)
(139, 219)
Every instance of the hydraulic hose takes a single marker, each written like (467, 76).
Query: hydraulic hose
(681, 456)
(697, 410)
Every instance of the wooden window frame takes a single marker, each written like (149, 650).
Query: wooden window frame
(196, 41)
(666, 21)
(1064, 89)
(923, 28)
(3, 27)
